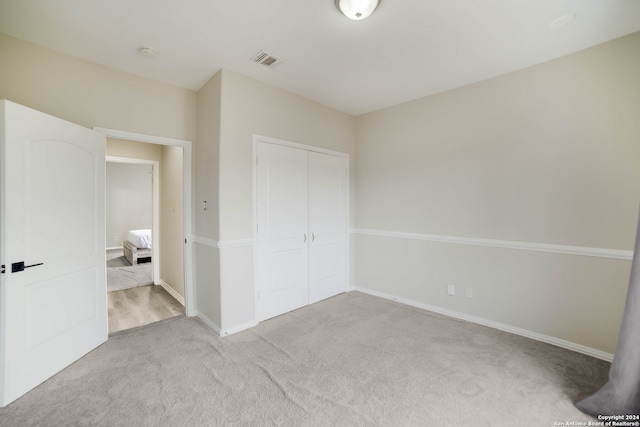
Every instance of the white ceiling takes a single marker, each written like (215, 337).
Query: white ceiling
(406, 50)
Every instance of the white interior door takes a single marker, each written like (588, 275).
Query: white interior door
(282, 214)
(328, 225)
(53, 289)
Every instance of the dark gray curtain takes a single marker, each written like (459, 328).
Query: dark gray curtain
(621, 394)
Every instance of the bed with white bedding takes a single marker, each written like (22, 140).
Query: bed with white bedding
(137, 247)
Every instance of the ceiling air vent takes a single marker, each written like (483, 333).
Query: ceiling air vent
(266, 59)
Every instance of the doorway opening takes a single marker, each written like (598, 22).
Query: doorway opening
(131, 223)
(149, 250)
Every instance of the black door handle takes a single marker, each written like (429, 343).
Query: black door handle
(19, 266)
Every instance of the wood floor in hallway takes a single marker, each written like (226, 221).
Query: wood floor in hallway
(139, 306)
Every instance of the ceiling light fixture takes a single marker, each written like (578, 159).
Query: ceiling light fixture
(357, 9)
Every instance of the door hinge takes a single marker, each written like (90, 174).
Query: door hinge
(3, 269)
(185, 241)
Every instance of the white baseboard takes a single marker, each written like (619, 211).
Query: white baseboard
(113, 248)
(171, 291)
(210, 323)
(495, 325)
(223, 244)
(239, 328)
(224, 332)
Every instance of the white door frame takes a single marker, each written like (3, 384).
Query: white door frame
(155, 222)
(189, 296)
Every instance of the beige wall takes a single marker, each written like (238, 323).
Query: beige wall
(171, 218)
(92, 95)
(250, 107)
(133, 150)
(206, 232)
(207, 159)
(545, 155)
(128, 201)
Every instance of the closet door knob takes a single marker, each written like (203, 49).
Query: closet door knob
(313, 237)
(305, 238)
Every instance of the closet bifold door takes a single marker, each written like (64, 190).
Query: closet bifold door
(282, 237)
(328, 222)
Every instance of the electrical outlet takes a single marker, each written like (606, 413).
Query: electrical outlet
(469, 292)
(451, 290)
(115, 237)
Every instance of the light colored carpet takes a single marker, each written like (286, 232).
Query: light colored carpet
(352, 360)
(122, 275)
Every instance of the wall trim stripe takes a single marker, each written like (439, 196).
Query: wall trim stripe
(599, 354)
(504, 244)
(205, 241)
(223, 244)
